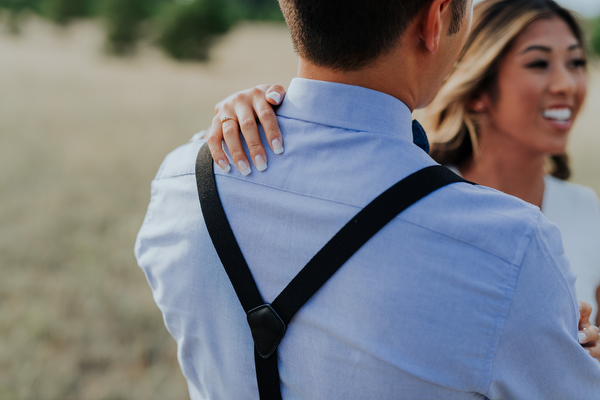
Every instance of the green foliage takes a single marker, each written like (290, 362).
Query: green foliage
(188, 29)
(595, 37)
(19, 5)
(185, 29)
(263, 10)
(15, 9)
(59, 11)
(63, 11)
(123, 19)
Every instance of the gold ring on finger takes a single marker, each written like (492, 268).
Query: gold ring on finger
(223, 119)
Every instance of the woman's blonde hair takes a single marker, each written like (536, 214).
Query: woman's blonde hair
(450, 124)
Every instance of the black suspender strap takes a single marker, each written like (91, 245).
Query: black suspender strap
(268, 322)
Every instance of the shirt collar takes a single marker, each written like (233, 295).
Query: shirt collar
(346, 106)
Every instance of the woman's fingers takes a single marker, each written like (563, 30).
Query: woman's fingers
(239, 114)
(275, 94)
(267, 117)
(588, 338)
(215, 140)
(597, 302)
(594, 349)
(238, 107)
(588, 335)
(230, 119)
(585, 311)
(243, 104)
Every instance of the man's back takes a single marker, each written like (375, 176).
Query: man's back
(439, 304)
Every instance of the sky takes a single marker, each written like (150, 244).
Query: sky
(587, 8)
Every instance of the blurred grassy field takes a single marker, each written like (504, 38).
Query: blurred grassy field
(81, 136)
(584, 145)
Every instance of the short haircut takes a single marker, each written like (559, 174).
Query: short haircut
(459, 8)
(351, 34)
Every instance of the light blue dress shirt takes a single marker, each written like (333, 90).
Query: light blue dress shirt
(466, 295)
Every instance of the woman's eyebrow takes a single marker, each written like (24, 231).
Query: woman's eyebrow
(547, 49)
(537, 47)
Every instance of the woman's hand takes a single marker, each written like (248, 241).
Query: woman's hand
(240, 112)
(588, 333)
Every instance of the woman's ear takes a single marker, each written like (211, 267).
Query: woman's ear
(477, 105)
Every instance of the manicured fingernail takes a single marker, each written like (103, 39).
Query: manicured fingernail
(581, 337)
(224, 166)
(276, 97)
(260, 163)
(244, 167)
(277, 146)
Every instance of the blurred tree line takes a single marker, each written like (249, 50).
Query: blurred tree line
(184, 29)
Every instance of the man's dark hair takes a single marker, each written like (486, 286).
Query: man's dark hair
(350, 34)
(459, 8)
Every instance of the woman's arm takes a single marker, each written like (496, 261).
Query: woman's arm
(240, 111)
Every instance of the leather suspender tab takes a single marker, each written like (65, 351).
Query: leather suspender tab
(267, 329)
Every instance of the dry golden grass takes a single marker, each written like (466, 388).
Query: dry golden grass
(81, 138)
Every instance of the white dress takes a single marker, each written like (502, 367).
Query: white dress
(576, 211)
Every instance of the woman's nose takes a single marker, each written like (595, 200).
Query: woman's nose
(563, 81)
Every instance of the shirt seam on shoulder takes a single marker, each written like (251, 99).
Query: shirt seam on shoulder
(500, 329)
(505, 259)
(183, 170)
(563, 278)
(306, 119)
(184, 174)
(357, 206)
(174, 175)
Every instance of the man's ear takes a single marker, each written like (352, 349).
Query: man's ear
(435, 19)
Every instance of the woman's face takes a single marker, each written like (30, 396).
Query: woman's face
(540, 89)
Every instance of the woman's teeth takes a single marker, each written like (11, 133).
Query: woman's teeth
(558, 114)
